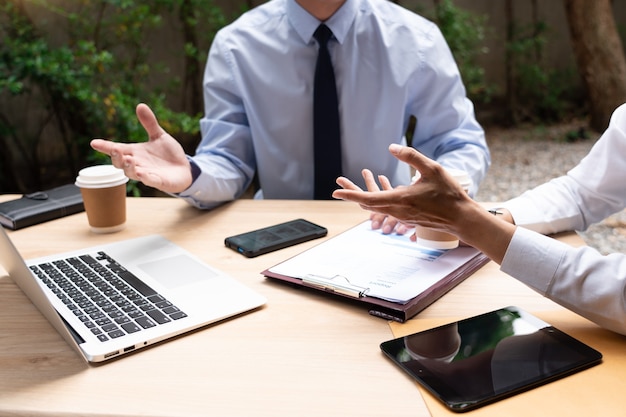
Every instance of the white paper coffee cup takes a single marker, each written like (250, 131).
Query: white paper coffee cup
(103, 188)
(435, 239)
(100, 176)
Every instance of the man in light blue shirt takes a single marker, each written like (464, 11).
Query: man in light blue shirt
(390, 64)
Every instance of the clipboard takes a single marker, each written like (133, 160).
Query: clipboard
(339, 285)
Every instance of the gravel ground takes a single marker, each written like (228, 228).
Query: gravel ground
(526, 157)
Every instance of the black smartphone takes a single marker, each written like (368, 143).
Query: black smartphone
(271, 238)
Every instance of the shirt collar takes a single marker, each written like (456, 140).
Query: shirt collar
(305, 24)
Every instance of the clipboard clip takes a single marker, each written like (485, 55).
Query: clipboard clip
(337, 284)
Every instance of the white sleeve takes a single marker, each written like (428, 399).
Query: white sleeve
(580, 279)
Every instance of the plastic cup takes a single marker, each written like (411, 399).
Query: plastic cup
(435, 239)
(103, 188)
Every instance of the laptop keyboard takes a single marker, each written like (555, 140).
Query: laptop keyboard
(108, 299)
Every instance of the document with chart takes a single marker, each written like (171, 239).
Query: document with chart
(366, 264)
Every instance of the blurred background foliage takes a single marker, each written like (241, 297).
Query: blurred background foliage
(80, 73)
(536, 92)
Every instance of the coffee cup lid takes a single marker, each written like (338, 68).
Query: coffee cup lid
(458, 174)
(461, 176)
(100, 176)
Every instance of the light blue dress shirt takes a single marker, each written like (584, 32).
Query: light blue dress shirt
(389, 63)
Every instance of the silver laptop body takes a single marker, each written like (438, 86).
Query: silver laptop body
(189, 294)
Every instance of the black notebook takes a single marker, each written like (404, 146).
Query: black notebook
(41, 206)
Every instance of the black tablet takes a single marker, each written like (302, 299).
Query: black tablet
(473, 362)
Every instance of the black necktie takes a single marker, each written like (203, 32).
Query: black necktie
(326, 133)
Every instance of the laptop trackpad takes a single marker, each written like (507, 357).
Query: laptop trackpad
(177, 271)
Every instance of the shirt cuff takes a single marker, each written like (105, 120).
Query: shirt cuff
(521, 211)
(195, 171)
(533, 259)
(196, 194)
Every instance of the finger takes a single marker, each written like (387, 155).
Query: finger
(377, 220)
(402, 228)
(370, 181)
(384, 182)
(371, 199)
(345, 183)
(411, 156)
(149, 121)
(115, 150)
(389, 225)
(101, 145)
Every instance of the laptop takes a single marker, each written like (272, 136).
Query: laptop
(114, 299)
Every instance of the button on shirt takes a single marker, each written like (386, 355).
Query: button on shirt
(580, 279)
(258, 91)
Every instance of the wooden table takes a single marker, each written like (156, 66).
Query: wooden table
(302, 354)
